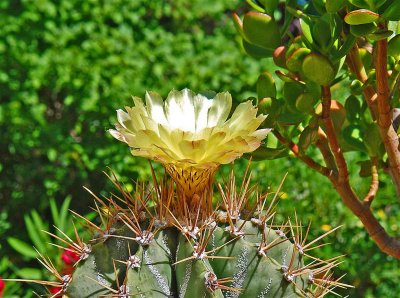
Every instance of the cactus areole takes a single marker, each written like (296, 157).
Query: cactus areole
(176, 238)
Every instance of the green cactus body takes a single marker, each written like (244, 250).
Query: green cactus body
(211, 261)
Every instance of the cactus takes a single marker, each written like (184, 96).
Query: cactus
(176, 237)
(149, 250)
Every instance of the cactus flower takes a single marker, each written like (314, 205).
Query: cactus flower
(190, 134)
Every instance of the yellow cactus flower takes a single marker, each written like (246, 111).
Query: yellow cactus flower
(190, 134)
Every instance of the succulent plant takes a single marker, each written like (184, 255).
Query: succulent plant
(335, 90)
(175, 237)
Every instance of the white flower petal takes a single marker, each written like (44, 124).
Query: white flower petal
(189, 130)
(155, 107)
(179, 110)
(220, 109)
(201, 107)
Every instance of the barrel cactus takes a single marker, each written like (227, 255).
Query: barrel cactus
(182, 235)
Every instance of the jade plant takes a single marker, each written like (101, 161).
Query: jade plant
(182, 235)
(348, 45)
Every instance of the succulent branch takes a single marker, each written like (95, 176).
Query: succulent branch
(351, 46)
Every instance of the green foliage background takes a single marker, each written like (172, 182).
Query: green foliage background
(66, 66)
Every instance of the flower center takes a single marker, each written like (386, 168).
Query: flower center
(193, 184)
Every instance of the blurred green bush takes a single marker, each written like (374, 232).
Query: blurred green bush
(66, 65)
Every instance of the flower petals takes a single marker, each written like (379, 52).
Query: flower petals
(189, 129)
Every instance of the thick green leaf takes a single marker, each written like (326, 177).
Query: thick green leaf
(392, 12)
(352, 135)
(362, 3)
(361, 16)
(321, 33)
(333, 6)
(363, 29)
(353, 108)
(295, 60)
(307, 137)
(279, 56)
(380, 34)
(261, 30)
(318, 69)
(270, 5)
(306, 31)
(394, 47)
(238, 24)
(256, 51)
(266, 85)
(372, 139)
(306, 102)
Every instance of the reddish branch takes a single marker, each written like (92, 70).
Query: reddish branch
(374, 185)
(343, 173)
(387, 244)
(387, 132)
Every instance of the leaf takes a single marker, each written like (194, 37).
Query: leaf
(261, 30)
(266, 85)
(30, 273)
(318, 69)
(394, 46)
(392, 12)
(40, 225)
(380, 34)
(35, 234)
(363, 29)
(333, 6)
(270, 5)
(295, 60)
(305, 102)
(361, 16)
(22, 247)
(265, 153)
(237, 22)
(64, 214)
(54, 212)
(256, 51)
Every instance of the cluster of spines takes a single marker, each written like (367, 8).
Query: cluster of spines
(146, 213)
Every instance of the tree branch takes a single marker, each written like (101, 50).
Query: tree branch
(374, 185)
(387, 132)
(331, 135)
(386, 243)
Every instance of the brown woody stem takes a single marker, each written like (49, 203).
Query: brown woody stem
(387, 244)
(387, 132)
(374, 185)
(331, 135)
